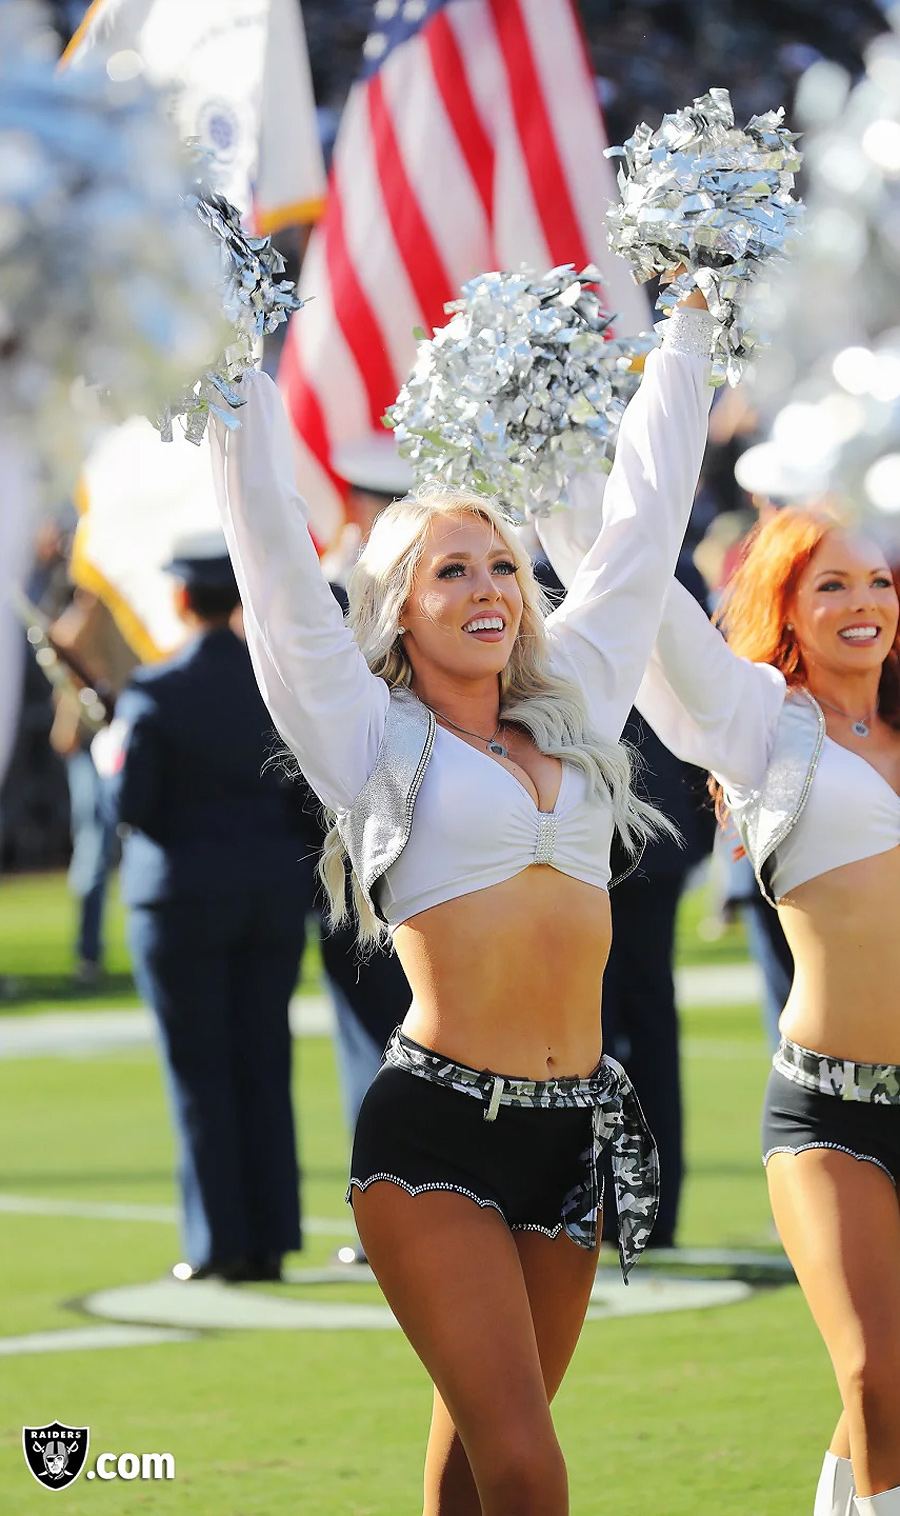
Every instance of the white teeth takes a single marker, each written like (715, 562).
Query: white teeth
(485, 624)
(859, 633)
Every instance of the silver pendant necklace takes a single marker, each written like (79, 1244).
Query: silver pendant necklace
(492, 745)
(858, 727)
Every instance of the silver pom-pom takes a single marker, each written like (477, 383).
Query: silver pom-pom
(105, 280)
(522, 388)
(702, 193)
(832, 379)
(255, 302)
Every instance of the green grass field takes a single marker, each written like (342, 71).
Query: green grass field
(724, 1411)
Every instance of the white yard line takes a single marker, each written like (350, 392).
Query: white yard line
(111, 1210)
(94, 1034)
(88, 1339)
(718, 984)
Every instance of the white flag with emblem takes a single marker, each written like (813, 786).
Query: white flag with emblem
(239, 78)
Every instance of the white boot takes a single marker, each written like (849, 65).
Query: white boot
(885, 1504)
(834, 1496)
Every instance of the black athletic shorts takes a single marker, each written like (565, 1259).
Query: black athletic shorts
(524, 1164)
(796, 1118)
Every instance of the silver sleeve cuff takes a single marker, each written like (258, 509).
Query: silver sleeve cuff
(689, 331)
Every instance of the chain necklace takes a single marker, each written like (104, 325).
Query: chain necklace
(858, 727)
(491, 743)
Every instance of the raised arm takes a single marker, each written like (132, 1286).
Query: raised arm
(605, 628)
(707, 705)
(327, 705)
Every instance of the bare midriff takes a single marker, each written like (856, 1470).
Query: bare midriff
(843, 929)
(508, 978)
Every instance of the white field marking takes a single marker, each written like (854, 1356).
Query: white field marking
(347, 1273)
(93, 1210)
(210, 1304)
(724, 1258)
(657, 1294)
(773, 1262)
(75, 1034)
(88, 1339)
(702, 984)
(166, 1311)
(110, 1210)
(91, 1034)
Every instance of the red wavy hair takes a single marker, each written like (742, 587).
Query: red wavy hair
(755, 610)
(756, 606)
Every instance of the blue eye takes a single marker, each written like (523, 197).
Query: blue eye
(455, 570)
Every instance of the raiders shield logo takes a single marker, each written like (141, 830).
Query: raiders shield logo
(55, 1454)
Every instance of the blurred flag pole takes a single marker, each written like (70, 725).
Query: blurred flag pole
(472, 140)
(238, 77)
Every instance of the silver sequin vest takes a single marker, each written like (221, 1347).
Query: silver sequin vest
(767, 816)
(376, 828)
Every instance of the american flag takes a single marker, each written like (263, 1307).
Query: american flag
(472, 140)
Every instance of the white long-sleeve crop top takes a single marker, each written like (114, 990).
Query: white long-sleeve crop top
(474, 825)
(721, 712)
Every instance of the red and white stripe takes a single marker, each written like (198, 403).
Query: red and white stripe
(478, 144)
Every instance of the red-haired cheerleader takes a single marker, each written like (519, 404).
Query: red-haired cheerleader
(796, 713)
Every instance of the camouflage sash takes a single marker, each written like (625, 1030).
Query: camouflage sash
(617, 1121)
(877, 1083)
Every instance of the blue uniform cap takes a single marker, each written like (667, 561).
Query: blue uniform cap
(201, 561)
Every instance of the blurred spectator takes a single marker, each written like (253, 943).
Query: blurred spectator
(35, 802)
(87, 630)
(653, 56)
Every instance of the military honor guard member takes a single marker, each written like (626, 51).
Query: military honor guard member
(217, 878)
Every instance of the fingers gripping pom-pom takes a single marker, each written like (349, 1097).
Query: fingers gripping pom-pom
(254, 302)
(703, 196)
(522, 388)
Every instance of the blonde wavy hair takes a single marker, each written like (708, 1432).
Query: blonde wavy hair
(551, 709)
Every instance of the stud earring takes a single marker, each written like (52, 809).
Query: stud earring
(401, 631)
(789, 626)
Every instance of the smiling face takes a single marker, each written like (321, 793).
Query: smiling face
(845, 609)
(465, 606)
